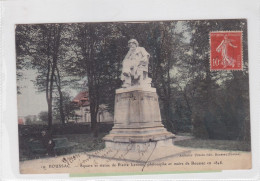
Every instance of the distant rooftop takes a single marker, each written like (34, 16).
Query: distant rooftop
(82, 99)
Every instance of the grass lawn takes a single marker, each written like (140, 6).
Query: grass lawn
(215, 144)
(86, 142)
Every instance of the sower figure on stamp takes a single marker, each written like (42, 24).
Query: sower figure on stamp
(135, 66)
(223, 47)
(48, 143)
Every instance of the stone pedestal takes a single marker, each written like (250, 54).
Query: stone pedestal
(137, 121)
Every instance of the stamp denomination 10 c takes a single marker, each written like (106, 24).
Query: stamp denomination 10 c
(226, 50)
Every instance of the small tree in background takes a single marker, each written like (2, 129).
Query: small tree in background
(28, 120)
(67, 106)
(43, 116)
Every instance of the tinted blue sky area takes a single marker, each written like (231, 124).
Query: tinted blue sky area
(30, 101)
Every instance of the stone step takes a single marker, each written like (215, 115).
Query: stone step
(138, 131)
(129, 138)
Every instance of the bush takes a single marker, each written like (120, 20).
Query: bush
(34, 130)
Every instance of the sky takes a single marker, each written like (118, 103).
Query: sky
(30, 101)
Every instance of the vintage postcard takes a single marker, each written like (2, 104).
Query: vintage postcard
(133, 97)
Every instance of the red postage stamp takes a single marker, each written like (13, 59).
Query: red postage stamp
(226, 50)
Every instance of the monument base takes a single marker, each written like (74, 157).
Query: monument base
(137, 121)
(137, 153)
(137, 147)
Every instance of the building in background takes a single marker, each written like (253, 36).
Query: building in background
(29, 119)
(21, 120)
(83, 109)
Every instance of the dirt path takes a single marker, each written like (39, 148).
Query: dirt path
(163, 159)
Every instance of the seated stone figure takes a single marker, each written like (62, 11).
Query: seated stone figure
(135, 66)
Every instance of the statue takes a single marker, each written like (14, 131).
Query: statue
(135, 66)
(137, 118)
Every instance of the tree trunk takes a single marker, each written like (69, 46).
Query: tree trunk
(49, 114)
(88, 51)
(49, 101)
(93, 113)
(61, 107)
(93, 90)
(56, 41)
(62, 115)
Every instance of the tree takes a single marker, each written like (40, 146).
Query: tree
(89, 45)
(67, 106)
(206, 91)
(41, 44)
(43, 116)
(28, 120)
(166, 47)
(189, 93)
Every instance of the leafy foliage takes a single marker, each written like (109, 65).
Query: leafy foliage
(193, 99)
(43, 116)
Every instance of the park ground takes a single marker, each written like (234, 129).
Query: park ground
(87, 143)
(91, 157)
(239, 155)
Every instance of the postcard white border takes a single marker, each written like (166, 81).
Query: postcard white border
(58, 11)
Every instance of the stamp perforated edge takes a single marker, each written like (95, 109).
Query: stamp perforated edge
(242, 57)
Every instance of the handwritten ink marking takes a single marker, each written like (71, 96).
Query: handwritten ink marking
(142, 152)
(86, 160)
(149, 156)
(70, 159)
